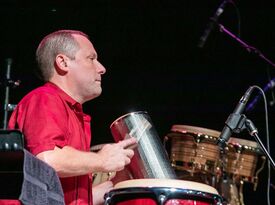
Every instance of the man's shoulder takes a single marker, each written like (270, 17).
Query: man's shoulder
(40, 93)
(45, 89)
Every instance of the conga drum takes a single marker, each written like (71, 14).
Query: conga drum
(241, 159)
(193, 152)
(162, 192)
(240, 162)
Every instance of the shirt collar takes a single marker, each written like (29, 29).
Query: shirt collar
(71, 102)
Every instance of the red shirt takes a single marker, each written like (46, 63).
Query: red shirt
(48, 117)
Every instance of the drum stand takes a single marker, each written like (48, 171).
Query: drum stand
(229, 191)
(8, 83)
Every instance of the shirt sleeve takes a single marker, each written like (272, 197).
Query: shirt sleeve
(42, 118)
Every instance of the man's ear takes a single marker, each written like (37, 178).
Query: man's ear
(61, 64)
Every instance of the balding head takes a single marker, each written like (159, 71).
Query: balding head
(59, 42)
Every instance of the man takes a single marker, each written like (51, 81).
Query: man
(51, 118)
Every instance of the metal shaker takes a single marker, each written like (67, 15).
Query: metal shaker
(150, 159)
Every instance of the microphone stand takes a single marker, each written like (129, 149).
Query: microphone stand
(254, 132)
(249, 48)
(241, 122)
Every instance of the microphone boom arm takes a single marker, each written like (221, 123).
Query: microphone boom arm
(249, 48)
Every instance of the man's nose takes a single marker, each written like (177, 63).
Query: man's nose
(101, 68)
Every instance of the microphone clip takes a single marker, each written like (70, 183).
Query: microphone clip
(236, 122)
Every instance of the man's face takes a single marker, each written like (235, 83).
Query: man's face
(85, 71)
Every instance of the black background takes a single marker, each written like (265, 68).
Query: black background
(149, 48)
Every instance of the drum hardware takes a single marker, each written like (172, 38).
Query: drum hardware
(8, 83)
(235, 194)
(235, 198)
(162, 191)
(256, 178)
(100, 177)
(10, 107)
(241, 193)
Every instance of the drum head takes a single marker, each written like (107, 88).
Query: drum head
(168, 183)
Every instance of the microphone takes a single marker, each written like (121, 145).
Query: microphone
(234, 120)
(269, 86)
(211, 24)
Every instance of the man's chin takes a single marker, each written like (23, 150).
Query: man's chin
(95, 95)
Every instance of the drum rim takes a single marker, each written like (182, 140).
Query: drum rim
(168, 183)
(195, 129)
(166, 192)
(243, 142)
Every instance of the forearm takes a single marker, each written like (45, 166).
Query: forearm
(69, 162)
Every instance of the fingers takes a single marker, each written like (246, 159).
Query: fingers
(129, 153)
(117, 156)
(127, 146)
(131, 142)
(127, 161)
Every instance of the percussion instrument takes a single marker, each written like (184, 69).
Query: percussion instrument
(195, 156)
(193, 149)
(241, 158)
(162, 192)
(150, 159)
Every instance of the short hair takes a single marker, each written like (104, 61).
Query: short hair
(61, 41)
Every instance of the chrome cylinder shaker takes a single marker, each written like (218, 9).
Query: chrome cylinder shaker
(150, 159)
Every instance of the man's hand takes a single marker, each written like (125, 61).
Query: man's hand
(116, 156)
(100, 190)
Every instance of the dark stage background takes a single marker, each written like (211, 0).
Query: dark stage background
(149, 48)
